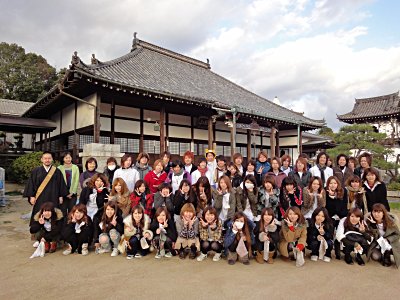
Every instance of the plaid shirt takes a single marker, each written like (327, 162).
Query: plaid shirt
(216, 235)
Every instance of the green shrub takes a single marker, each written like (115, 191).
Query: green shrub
(394, 186)
(22, 167)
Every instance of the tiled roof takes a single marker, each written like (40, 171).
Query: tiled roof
(13, 107)
(381, 106)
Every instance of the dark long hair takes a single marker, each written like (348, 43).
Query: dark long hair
(253, 181)
(358, 213)
(297, 211)
(246, 229)
(204, 182)
(140, 209)
(106, 220)
(328, 221)
(387, 221)
(83, 209)
(269, 211)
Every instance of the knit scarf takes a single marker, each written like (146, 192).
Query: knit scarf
(179, 173)
(203, 171)
(322, 171)
(352, 197)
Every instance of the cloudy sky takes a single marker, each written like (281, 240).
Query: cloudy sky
(316, 56)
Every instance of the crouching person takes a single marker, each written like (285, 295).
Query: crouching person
(164, 233)
(137, 233)
(293, 235)
(267, 236)
(46, 226)
(187, 228)
(78, 230)
(108, 228)
(239, 239)
(210, 229)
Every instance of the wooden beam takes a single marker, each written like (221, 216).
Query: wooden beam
(272, 141)
(162, 129)
(210, 133)
(75, 145)
(299, 140)
(141, 137)
(248, 144)
(96, 125)
(277, 151)
(192, 134)
(112, 136)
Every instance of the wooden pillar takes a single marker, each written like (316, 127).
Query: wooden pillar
(277, 151)
(166, 131)
(75, 145)
(112, 135)
(41, 142)
(162, 129)
(248, 144)
(192, 134)
(299, 139)
(272, 141)
(233, 135)
(33, 141)
(210, 133)
(96, 125)
(141, 137)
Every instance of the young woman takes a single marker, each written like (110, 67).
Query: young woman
(177, 174)
(329, 163)
(137, 232)
(276, 171)
(120, 194)
(336, 200)
(182, 196)
(365, 160)
(91, 167)
(375, 189)
(155, 177)
(267, 236)
(262, 164)
(239, 239)
(290, 195)
(247, 197)
(211, 163)
(300, 173)
(188, 159)
(293, 235)
(320, 169)
(71, 177)
(238, 160)
(354, 236)
(341, 171)
(108, 228)
(202, 170)
(142, 164)
(320, 235)
(268, 195)
(201, 195)
(234, 175)
(313, 197)
(286, 167)
(356, 194)
(127, 173)
(46, 226)
(352, 164)
(224, 199)
(210, 230)
(95, 194)
(78, 231)
(142, 196)
(386, 236)
(164, 233)
(251, 170)
(110, 168)
(187, 229)
(166, 160)
(221, 168)
(163, 198)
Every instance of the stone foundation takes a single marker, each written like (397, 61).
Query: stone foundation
(101, 152)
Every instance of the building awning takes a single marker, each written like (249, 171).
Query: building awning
(26, 125)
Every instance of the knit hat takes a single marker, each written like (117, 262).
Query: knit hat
(210, 151)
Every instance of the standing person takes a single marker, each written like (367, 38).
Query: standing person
(142, 164)
(120, 194)
(365, 160)
(188, 159)
(46, 184)
(262, 164)
(202, 170)
(127, 173)
(336, 200)
(267, 236)
(268, 196)
(276, 171)
(71, 176)
(182, 196)
(352, 164)
(110, 168)
(142, 196)
(177, 174)
(313, 197)
(211, 164)
(290, 195)
(375, 189)
(91, 167)
(321, 169)
(221, 168)
(166, 160)
(247, 197)
(201, 195)
(224, 199)
(251, 170)
(163, 198)
(234, 175)
(155, 177)
(341, 171)
(286, 167)
(300, 173)
(238, 160)
(95, 194)
(356, 195)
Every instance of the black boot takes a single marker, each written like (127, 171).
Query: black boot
(337, 249)
(348, 259)
(359, 260)
(182, 253)
(193, 251)
(386, 259)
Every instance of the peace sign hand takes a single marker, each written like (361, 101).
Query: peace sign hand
(362, 226)
(371, 219)
(289, 224)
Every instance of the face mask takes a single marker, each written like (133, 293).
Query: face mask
(239, 225)
(249, 185)
(112, 167)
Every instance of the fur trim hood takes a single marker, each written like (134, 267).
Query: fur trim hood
(58, 211)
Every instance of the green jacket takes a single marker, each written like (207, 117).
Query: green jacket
(74, 180)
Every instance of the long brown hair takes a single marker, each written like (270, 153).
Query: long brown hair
(49, 206)
(211, 210)
(387, 220)
(300, 220)
(140, 209)
(269, 211)
(310, 183)
(246, 229)
(104, 218)
(339, 190)
(354, 211)
(91, 183)
(81, 208)
(124, 187)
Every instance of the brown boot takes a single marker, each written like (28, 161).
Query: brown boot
(53, 247)
(270, 257)
(260, 257)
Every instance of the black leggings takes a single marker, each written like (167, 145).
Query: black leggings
(77, 239)
(49, 236)
(167, 243)
(135, 247)
(260, 246)
(314, 247)
(206, 246)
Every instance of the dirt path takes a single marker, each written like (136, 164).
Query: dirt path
(105, 277)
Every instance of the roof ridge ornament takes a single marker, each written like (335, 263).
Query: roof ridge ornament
(94, 60)
(75, 59)
(135, 41)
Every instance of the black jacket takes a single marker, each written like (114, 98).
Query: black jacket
(179, 200)
(337, 206)
(69, 229)
(313, 233)
(236, 180)
(378, 195)
(305, 178)
(96, 225)
(100, 199)
(273, 236)
(171, 230)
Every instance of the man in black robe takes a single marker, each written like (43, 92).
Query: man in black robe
(55, 189)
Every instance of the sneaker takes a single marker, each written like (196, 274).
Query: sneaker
(314, 258)
(158, 255)
(201, 257)
(85, 250)
(102, 250)
(326, 259)
(217, 257)
(130, 257)
(114, 252)
(138, 255)
(67, 251)
(168, 255)
(35, 244)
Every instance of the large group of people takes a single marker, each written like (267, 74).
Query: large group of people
(262, 209)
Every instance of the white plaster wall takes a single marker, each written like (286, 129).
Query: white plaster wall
(86, 112)
(179, 132)
(201, 134)
(127, 126)
(68, 115)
